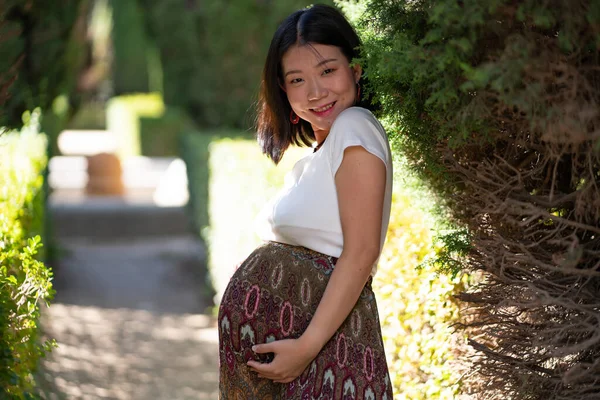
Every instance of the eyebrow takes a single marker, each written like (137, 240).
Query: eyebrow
(296, 71)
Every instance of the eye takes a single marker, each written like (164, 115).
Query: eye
(328, 71)
(296, 80)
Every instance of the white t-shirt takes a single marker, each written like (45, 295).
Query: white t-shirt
(306, 212)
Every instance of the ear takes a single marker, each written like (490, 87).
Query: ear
(357, 71)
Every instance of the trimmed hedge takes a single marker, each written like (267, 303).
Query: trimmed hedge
(123, 119)
(230, 180)
(143, 125)
(130, 68)
(212, 53)
(25, 282)
(42, 46)
(416, 304)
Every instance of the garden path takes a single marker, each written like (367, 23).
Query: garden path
(131, 315)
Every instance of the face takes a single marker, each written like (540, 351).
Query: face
(319, 83)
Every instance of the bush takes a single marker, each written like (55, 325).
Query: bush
(496, 106)
(212, 62)
(230, 181)
(91, 115)
(144, 126)
(130, 43)
(416, 304)
(160, 135)
(24, 279)
(43, 48)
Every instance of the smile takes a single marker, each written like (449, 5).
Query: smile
(324, 108)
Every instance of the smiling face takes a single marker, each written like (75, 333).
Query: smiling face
(319, 84)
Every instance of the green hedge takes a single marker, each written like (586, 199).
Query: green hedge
(45, 42)
(24, 279)
(416, 303)
(143, 125)
(130, 47)
(212, 53)
(230, 180)
(495, 105)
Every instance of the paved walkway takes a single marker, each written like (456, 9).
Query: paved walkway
(130, 324)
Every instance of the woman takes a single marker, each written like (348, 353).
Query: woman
(298, 319)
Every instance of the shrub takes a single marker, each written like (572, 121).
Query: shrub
(144, 126)
(212, 53)
(230, 181)
(416, 304)
(24, 279)
(131, 48)
(496, 106)
(160, 135)
(44, 44)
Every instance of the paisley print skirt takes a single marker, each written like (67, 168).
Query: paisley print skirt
(273, 295)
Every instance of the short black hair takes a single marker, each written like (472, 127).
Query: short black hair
(318, 24)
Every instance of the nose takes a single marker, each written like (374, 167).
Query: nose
(316, 90)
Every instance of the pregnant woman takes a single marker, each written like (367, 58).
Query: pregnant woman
(298, 319)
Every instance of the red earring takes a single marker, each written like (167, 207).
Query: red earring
(294, 118)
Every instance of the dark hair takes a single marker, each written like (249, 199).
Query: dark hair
(319, 24)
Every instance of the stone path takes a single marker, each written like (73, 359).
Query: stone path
(132, 311)
(130, 323)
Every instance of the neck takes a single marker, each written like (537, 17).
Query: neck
(320, 135)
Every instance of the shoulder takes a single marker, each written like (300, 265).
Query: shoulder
(357, 123)
(357, 126)
(356, 115)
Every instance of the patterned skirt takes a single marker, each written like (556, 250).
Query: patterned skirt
(273, 295)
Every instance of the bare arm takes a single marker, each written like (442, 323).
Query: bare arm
(360, 183)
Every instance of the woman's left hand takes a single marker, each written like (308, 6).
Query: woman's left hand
(291, 359)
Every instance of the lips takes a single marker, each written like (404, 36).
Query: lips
(323, 109)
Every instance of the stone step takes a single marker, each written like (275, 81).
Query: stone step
(113, 218)
(147, 180)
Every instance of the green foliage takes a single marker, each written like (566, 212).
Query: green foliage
(131, 48)
(123, 119)
(91, 115)
(212, 54)
(24, 279)
(43, 44)
(495, 105)
(416, 305)
(230, 181)
(144, 126)
(160, 135)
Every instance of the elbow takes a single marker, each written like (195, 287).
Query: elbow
(364, 255)
(372, 254)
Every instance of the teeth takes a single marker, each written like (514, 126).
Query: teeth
(324, 108)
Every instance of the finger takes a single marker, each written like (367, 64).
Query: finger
(260, 367)
(264, 376)
(264, 348)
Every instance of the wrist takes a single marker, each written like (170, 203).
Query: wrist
(311, 343)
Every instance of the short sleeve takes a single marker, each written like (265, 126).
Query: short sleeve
(357, 127)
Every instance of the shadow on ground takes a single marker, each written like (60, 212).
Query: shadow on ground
(132, 321)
